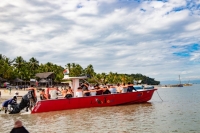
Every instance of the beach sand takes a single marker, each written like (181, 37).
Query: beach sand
(5, 94)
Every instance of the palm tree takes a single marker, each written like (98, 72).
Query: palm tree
(9, 61)
(89, 70)
(97, 78)
(7, 71)
(19, 62)
(49, 66)
(77, 70)
(34, 64)
(68, 66)
(5, 59)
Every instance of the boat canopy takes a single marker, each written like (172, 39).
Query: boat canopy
(75, 81)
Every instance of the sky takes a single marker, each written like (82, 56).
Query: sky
(159, 39)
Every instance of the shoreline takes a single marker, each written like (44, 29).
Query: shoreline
(5, 95)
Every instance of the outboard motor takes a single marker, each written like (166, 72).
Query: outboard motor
(27, 101)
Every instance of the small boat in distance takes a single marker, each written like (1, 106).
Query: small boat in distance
(139, 96)
(187, 84)
(177, 85)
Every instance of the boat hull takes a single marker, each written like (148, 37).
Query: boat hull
(93, 101)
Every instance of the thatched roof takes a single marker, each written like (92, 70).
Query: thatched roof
(45, 75)
(18, 80)
(43, 81)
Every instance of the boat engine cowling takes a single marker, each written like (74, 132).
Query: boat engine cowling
(25, 103)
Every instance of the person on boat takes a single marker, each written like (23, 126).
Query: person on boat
(85, 86)
(19, 128)
(79, 92)
(130, 87)
(106, 91)
(43, 95)
(8, 102)
(47, 91)
(124, 88)
(99, 91)
(90, 87)
(53, 92)
(93, 91)
(119, 88)
(69, 94)
(112, 89)
(70, 90)
(64, 92)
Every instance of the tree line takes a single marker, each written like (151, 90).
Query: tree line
(26, 70)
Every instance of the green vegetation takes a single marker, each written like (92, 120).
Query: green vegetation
(25, 70)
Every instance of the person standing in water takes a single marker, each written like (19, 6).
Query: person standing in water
(19, 128)
(32, 92)
(8, 102)
(10, 89)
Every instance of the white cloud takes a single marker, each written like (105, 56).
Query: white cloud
(193, 26)
(33, 17)
(6, 26)
(123, 37)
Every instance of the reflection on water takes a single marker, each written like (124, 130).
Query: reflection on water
(178, 113)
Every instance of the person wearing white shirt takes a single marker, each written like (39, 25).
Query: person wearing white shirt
(124, 88)
(93, 92)
(53, 94)
(79, 92)
(90, 87)
(112, 89)
(118, 87)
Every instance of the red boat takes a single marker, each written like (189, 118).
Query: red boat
(92, 101)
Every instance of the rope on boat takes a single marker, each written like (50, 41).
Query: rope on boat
(159, 95)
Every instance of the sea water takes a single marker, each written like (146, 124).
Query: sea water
(179, 112)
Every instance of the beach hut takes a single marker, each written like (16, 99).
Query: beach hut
(46, 77)
(43, 81)
(17, 81)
